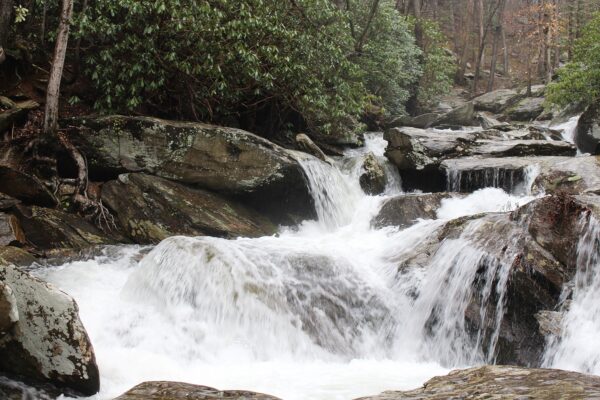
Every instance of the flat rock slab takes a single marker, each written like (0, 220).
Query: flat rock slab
(185, 391)
(501, 382)
(577, 175)
(497, 100)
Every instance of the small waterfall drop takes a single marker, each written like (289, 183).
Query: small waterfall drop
(578, 347)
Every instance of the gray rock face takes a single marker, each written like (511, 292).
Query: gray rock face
(587, 135)
(488, 120)
(151, 209)
(527, 109)
(225, 160)
(420, 121)
(497, 101)
(502, 382)
(186, 391)
(47, 342)
(373, 179)
(404, 210)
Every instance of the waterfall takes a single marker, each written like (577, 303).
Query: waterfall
(577, 347)
(331, 309)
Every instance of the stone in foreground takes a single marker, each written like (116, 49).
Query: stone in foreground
(43, 340)
(502, 382)
(186, 391)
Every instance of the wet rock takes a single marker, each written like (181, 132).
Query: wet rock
(186, 391)
(404, 210)
(497, 100)
(463, 115)
(550, 322)
(373, 179)
(16, 256)
(151, 209)
(502, 382)
(15, 390)
(527, 109)
(224, 160)
(587, 134)
(47, 343)
(578, 175)
(24, 187)
(47, 229)
(9, 314)
(520, 148)
(306, 144)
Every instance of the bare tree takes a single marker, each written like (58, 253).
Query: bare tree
(58, 62)
(498, 27)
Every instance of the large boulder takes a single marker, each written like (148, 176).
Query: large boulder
(502, 382)
(225, 160)
(44, 342)
(463, 115)
(420, 121)
(404, 210)
(587, 134)
(527, 109)
(151, 209)
(161, 390)
(497, 100)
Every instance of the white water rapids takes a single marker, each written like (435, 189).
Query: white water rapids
(321, 311)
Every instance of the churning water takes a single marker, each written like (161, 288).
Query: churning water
(321, 311)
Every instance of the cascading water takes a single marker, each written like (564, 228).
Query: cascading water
(326, 310)
(577, 347)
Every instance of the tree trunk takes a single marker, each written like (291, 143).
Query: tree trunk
(6, 8)
(505, 63)
(466, 30)
(498, 22)
(58, 62)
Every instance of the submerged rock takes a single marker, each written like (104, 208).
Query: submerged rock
(373, 179)
(151, 209)
(502, 382)
(587, 134)
(44, 342)
(186, 391)
(224, 160)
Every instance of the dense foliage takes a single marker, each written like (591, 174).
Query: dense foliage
(266, 65)
(579, 80)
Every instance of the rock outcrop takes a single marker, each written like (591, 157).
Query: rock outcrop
(25, 187)
(42, 340)
(224, 160)
(373, 179)
(185, 391)
(150, 209)
(463, 115)
(502, 382)
(578, 175)
(587, 134)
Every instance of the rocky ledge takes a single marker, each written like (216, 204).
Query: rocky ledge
(502, 382)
